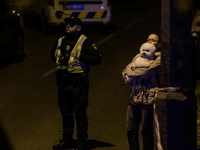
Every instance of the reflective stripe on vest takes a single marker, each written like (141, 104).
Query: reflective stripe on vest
(58, 54)
(74, 65)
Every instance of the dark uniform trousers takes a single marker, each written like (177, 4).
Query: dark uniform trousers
(73, 101)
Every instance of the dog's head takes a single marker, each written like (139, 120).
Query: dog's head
(147, 50)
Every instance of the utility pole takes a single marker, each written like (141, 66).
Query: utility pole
(176, 107)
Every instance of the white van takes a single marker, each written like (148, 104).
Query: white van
(53, 12)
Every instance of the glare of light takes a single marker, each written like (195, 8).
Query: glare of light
(18, 14)
(102, 7)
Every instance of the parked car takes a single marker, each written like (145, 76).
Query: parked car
(53, 12)
(11, 33)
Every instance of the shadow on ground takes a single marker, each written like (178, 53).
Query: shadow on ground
(92, 144)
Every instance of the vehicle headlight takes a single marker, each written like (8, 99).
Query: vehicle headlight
(20, 18)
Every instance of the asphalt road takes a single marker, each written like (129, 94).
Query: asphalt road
(29, 113)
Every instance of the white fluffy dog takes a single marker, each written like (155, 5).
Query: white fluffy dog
(147, 53)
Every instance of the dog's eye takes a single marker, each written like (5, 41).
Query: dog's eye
(147, 50)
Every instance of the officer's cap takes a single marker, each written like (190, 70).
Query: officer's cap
(73, 20)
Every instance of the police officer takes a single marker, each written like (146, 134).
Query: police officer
(73, 53)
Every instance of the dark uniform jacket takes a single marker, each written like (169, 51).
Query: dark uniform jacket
(89, 54)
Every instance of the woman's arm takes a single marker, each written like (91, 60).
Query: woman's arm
(146, 72)
(124, 72)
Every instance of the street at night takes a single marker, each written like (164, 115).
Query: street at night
(29, 114)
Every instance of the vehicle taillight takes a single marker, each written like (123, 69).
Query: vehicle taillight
(109, 2)
(51, 2)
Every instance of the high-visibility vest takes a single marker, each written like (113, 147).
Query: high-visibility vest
(74, 65)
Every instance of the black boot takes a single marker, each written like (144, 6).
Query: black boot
(63, 146)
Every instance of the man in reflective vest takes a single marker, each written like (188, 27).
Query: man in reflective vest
(73, 53)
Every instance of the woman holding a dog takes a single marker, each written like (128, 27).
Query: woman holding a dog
(140, 108)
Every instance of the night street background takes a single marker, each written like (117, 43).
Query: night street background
(29, 114)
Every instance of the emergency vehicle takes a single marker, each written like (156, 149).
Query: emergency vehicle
(53, 12)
